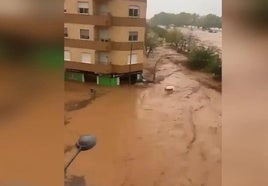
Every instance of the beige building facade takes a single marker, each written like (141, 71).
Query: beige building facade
(104, 37)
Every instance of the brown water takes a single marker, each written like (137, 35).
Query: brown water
(206, 38)
(145, 136)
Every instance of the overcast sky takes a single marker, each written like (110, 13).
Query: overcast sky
(202, 7)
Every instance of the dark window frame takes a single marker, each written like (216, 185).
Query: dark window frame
(82, 36)
(134, 12)
(133, 36)
(83, 10)
(66, 34)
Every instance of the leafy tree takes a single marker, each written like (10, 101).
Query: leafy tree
(159, 31)
(195, 18)
(183, 18)
(151, 42)
(209, 21)
(174, 37)
(154, 35)
(206, 59)
(200, 58)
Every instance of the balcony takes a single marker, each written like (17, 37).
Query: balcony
(126, 46)
(102, 68)
(97, 68)
(98, 20)
(123, 69)
(104, 45)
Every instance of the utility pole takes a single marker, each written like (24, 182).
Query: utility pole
(130, 60)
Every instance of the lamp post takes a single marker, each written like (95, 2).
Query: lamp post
(84, 143)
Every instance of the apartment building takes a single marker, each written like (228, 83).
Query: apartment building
(104, 39)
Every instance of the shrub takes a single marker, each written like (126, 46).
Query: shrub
(174, 37)
(217, 70)
(200, 58)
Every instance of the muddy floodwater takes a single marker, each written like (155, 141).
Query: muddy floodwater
(206, 38)
(146, 136)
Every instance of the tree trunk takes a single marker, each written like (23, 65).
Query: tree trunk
(155, 66)
(148, 53)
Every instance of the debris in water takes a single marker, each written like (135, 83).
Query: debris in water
(170, 88)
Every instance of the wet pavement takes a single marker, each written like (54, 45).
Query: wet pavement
(146, 136)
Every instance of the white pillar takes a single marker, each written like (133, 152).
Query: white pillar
(138, 76)
(83, 78)
(118, 80)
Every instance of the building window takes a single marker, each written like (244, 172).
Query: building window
(103, 58)
(85, 57)
(133, 11)
(84, 34)
(65, 32)
(133, 58)
(67, 55)
(83, 7)
(133, 36)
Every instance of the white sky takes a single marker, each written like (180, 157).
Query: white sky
(201, 7)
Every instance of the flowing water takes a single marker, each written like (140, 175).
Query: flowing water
(146, 136)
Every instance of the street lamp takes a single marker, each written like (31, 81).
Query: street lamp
(84, 143)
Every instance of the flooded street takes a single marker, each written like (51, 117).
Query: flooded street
(206, 38)
(146, 136)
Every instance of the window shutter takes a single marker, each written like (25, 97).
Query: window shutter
(133, 59)
(83, 5)
(133, 7)
(86, 58)
(67, 56)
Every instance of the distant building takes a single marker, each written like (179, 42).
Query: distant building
(99, 36)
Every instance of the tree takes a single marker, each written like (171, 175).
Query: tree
(183, 18)
(206, 59)
(174, 37)
(191, 42)
(195, 18)
(151, 42)
(154, 35)
(210, 21)
(155, 67)
(200, 58)
(159, 31)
